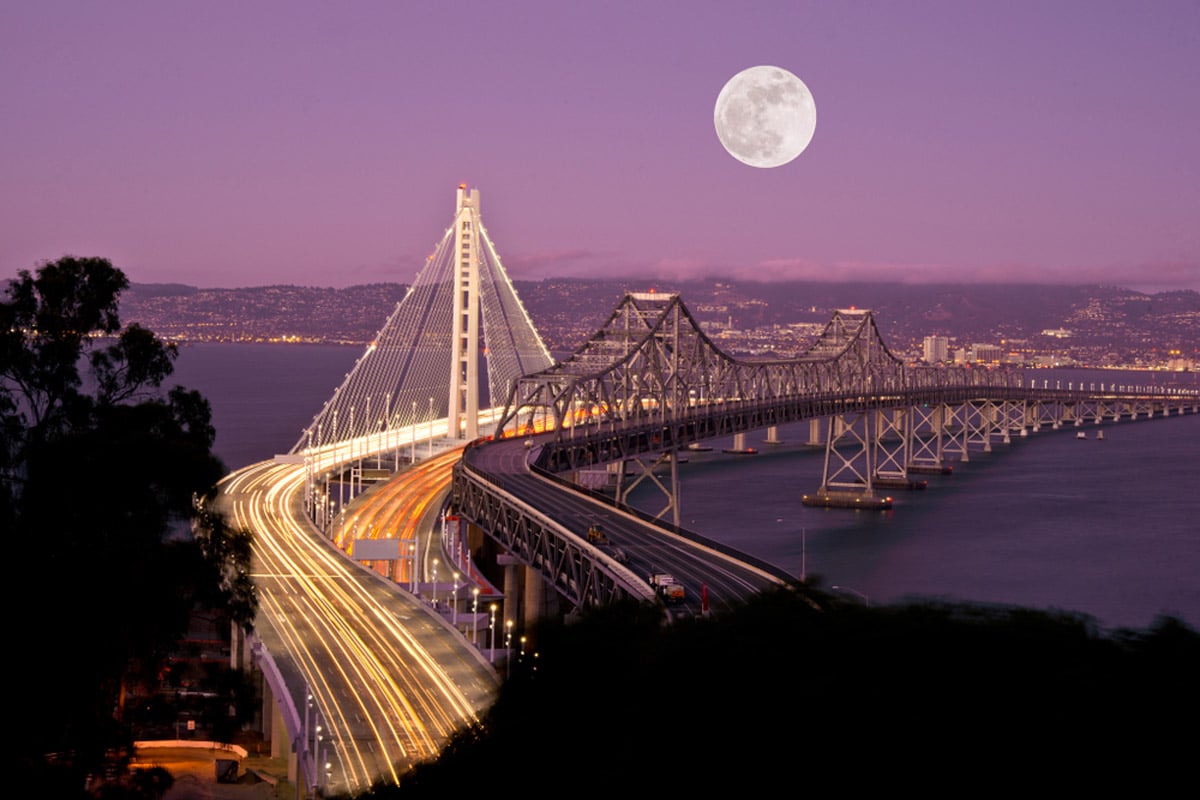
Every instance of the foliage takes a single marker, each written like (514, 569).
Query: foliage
(798, 688)
(104, 478)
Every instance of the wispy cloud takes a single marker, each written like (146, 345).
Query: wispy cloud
(1150, 277)
(549, 263)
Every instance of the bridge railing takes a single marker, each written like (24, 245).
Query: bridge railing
(678, 530)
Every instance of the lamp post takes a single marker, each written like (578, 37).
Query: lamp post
(455, 617)
(431, 427)
(475, 614)
(380, 444)
(314, 756)
(412, 566)
(508, 628)
(492, 635)
(435, 563)
(412, 458)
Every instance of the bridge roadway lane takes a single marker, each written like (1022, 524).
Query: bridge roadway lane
(701, 567)
(390, 680)
(404, 507)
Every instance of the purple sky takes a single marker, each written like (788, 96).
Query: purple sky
(226, 144)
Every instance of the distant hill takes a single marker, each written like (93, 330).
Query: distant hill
(1109, 320)
(262, 313)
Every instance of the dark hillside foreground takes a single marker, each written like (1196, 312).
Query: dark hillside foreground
(801, 690)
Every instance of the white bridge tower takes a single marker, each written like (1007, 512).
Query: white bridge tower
(463, 416)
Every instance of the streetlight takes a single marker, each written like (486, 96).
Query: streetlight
(492, 635)
(412, 457)
(435, 583)
(412, 566)
(381, 444)
(508, 626)
(475, 614)
(431, 427)
(308, 702)
(315, 753)
(455, 618)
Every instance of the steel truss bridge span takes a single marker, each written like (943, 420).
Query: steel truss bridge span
(651, 363)
(651, 383)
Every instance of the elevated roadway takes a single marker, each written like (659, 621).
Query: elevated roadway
(544, 522)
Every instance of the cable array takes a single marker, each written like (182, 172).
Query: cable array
(403, 377)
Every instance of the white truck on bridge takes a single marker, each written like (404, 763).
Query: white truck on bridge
(666, 587)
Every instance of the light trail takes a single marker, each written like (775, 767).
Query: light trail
(389, 680)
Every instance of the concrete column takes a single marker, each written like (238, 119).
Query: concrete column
(510, 608)
(739, 444)
(816, 435)
(276, 730)
(475, 538)
(533, 598)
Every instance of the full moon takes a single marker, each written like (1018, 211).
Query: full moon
(765, 116)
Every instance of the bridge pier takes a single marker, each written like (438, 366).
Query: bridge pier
(773, 436)
(954, 427)
(893, 450)
(739, 446)
(816, 431)
(527, 599)
(926, 441)
(510, 605)
(848, 480)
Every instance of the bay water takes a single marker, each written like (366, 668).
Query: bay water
(1108, 528)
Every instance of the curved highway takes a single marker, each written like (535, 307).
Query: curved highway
(402, 508)
(390, 681)
(715, 579)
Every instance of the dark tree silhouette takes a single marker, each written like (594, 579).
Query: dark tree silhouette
(803, 690)
(104, 481)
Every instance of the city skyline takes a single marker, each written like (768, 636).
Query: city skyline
(303, 143)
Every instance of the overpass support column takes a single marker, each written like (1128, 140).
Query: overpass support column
(533, 599)
(509, 607)
(773, 435)
(475, 538)
(275, 730)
